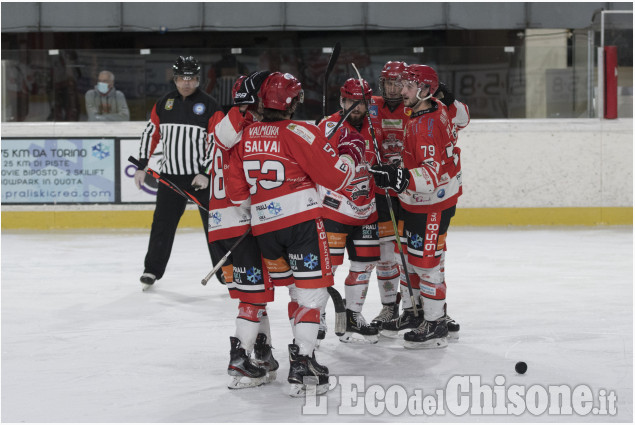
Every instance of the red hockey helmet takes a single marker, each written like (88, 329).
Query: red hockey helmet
(237, 84)
(392, 70)
(279, 90)
(352, 90)
(422, 74)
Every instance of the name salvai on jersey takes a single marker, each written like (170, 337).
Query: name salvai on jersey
(279, 165)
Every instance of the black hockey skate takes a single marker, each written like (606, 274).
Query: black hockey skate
(264, 357)
(388, 312)
(147, 280)
(306, 375)
(358, 331)
(244, 373)
(430, 334)
(406, 321)
(453, 328)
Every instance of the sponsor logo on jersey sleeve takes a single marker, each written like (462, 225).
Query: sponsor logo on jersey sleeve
(373, 111)
(302, 132)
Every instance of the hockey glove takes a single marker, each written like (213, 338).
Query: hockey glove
(247, 93)
(444, 94)
(353, 145)
(391, 176)
(200, 182)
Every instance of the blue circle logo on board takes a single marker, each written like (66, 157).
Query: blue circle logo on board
(199, 109)
(441, 193)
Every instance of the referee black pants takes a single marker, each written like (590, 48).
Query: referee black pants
(167, 214)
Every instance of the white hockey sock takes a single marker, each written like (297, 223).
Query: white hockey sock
(433, 292)
(388, 280)
(406, 301)
(307, 317)
(248, 323)
(355, 292)
(307, 325)
(433, 309)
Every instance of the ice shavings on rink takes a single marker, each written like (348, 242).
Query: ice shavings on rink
(82, 343)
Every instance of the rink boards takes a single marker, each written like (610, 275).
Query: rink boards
(515, 172)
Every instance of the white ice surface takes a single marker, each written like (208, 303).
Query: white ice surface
(82, 343)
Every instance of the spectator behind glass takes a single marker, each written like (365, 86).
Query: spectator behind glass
(104, 102)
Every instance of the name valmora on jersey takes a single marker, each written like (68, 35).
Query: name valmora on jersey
(354, 204)
(279, 164)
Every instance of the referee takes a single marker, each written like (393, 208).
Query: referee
(182, 121)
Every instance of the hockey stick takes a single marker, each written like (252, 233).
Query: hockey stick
(336, 297)
(340, 311)
(168, 183)
(332, 60)
(222, 261)
(344, 116)
(388, 200)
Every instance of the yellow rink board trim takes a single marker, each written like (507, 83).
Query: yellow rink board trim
(464, 217)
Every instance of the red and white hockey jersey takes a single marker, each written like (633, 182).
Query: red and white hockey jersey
(279, 164)
(355, 204)
(392, 124)
(226, 220)
(434, 163)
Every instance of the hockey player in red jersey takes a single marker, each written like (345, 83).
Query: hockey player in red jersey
(392, 115)
(247, 280)
(277, 165)
(388, 110)
(459, 117)
(429, 184)
(350, 215)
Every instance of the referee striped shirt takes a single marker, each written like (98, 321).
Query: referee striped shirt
(181, 131)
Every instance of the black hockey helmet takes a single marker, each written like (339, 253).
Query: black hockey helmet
(186, 67)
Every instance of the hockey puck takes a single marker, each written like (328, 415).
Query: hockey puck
(521, 367)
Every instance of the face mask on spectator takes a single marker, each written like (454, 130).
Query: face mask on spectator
(102, 87)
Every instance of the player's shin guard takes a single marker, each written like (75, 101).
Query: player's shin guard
(248, 323)
(388, 280)
(357, 330)
(406, 301)
(433, 331)
(355, 290)
(307, 324)
(433, 291)
(292, 308)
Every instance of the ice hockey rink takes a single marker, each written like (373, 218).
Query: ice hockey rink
(82, 343)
